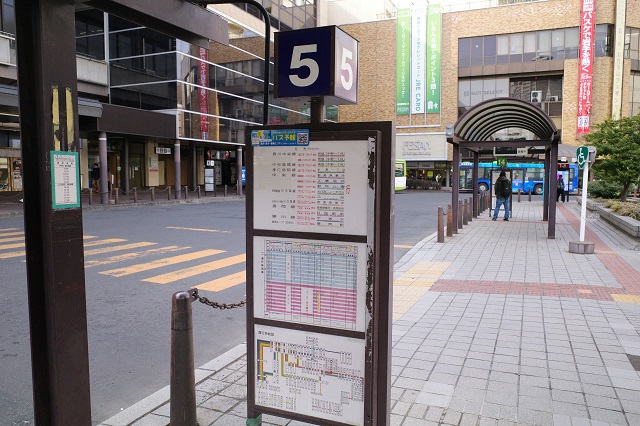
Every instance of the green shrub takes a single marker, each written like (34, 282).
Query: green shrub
(629, 209)
(604, 189)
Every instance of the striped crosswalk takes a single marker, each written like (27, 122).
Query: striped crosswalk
(146, 261)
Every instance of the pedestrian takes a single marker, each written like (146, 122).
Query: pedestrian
(502, 189)
(560, 189)
(95, 177)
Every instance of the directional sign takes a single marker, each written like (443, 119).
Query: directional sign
(501, 161)
(320, 61)
(582, 154)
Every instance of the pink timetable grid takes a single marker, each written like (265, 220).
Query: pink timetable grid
(311, 283)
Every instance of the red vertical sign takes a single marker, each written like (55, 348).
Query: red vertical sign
(203, 81)
(585, 75)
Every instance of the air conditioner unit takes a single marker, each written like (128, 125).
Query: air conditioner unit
(509, 152)
(552, 98)
(536, 96)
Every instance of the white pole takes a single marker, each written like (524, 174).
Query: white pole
(583, 210)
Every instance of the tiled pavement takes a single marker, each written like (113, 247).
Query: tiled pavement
(497, 326)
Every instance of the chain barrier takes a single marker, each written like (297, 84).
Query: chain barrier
(204, 300)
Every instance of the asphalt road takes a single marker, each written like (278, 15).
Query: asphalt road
(129, 294)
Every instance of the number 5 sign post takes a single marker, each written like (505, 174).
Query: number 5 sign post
(317, 62)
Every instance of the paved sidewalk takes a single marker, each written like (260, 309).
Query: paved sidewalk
(497, 326)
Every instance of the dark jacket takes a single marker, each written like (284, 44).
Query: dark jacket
(95, 173)
(502, 187)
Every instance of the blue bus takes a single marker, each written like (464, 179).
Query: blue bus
(526, 176)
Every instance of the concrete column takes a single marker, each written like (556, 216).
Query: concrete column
(455, 184)
(547, 184)
(239, 169)
(104, 172)
(194, 169)
(178, 171)
(476, 160)
(553, 191)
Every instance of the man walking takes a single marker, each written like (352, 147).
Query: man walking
(502, 189)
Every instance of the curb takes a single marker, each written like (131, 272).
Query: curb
(161, 397)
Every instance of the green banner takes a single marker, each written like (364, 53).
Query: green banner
(434, 26)
(403, 61)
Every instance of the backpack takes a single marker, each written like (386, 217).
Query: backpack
(505, 191)
(560, 184)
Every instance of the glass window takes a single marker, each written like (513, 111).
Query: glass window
(476, 51)
(516, 47)
(503, 49)
(632, 43)
(604, 40)
(464, 96)
(529, 47)
(557, 44)
(489, 50)
(571, 43)
(8, 17)
(544, 46)
(464, 52)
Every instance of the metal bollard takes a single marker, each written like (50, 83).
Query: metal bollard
(470, 209)
(198, 190)
(483, 195)
(459, 214)
(225, 190)
(183, 388)
(153, 193)
(519, 194)
(186, 192)
(465, 212)
(450, 221)
(529, 194)
(169, 191)
(135, 194)
(566, 196)
(117, 196)
(90, 196)
(440, 225)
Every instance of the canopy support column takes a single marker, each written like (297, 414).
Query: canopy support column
(455, 181)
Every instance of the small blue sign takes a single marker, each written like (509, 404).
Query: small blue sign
(288, 137)
(244, 174)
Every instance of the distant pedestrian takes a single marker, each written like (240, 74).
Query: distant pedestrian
(95, 177)
(560, 189)
(502, 189)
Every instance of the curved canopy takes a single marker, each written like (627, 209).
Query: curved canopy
(493, 115)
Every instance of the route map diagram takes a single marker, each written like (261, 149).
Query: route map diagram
(310, 373)
(311, 282)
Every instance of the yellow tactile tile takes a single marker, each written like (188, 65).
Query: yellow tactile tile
(628, 298)
(413, 284)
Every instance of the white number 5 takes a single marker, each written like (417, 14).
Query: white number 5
(348, 82)
(298, 62)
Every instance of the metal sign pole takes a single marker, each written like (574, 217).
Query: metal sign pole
(583, 209)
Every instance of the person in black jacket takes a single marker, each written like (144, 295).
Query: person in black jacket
(502, 189)
(560, 189)
(95, 177)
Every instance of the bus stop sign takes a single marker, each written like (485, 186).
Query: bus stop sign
(501, 161)
(582, 154)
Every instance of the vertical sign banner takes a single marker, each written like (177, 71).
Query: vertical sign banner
(418, 60)
(585, 74)
(203, 81)
(434, 25)
(403, 69)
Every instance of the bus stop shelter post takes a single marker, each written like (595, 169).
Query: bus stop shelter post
(545, 187)
(455, 184)
(476, 158)
(45, 34)
(553, 191)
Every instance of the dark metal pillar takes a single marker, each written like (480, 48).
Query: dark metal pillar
(553, 191)
(104, 169)
(194, 168)
(126, 172)
(476, 159)
(317, 110)
(177, 169)
(455, 180)
(239, 169)
(54, 249)
(545, 186)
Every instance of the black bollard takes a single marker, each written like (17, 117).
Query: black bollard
(153, 193)
(169, 191)
(135, 194)
(529, 194)
(450, 221)
(460, 211)
(186, 192)
(117, 196)
(90, 196)
(183, 387)
(198, 190)
(465, 212)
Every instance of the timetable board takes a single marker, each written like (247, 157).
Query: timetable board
(319, 220)
(321, 283)
(310, 373)
(318, 187)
